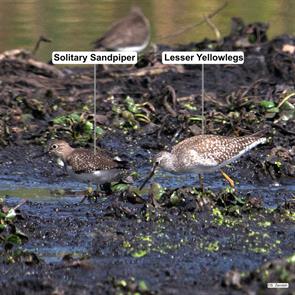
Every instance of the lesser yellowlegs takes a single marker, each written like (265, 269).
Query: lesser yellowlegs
(204, 154)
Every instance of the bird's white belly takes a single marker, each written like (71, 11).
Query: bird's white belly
(97, 177)
(137, 48)
(192, 162)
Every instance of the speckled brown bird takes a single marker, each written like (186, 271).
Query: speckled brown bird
(204, 153)
(131, 33)
(85, 166)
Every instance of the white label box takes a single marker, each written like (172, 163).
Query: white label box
(278, 285)
(203, 57)
(93, 57)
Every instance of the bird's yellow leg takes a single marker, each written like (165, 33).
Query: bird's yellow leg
(89, 190)
(228, 179)
(88, 193)
(201, 181)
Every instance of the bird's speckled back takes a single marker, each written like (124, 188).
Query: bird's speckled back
(216, 147)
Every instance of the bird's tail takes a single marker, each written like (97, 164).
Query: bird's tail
(260, 135)
(122, 164)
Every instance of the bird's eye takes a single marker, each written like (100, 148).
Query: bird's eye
(54, 146)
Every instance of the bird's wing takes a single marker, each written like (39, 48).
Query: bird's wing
(123, 32)
(218, 148)
(82, 161)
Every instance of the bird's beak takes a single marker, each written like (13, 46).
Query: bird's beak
(153, 170)
(41, 155)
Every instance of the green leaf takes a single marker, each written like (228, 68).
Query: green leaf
(157, 191)
(14, 239)
(11, 214)
(60, 120)
(267, 104)
(20, 234)
(99, 131)
(65, 120)
(142, 286)
(88, 127)
(175, 199)
(190, 107)
(139, 253)
(131, 105)
(119, 187)
(195, 118)
(273, 110)
(142, 118)
(288, 106)
(75, 117)
(2, 215)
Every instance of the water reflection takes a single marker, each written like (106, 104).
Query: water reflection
(73, 24)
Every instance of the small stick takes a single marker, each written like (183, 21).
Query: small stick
(187, 28)
(167, 105)
(285, 99)
(41, 39)
(213, 27)
(20, 204)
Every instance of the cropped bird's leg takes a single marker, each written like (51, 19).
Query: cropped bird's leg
(97, 193)
(88, 194)
(106, 187)
(228, 179)
(201, 181)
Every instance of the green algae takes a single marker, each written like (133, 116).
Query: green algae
(212, 246)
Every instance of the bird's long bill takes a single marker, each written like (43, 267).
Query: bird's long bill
(149, 176)
(41, 155)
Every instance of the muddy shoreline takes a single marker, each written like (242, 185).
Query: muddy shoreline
(222, 242)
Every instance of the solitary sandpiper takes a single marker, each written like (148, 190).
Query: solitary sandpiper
(86, 166)
(203, 154)
(131, 33)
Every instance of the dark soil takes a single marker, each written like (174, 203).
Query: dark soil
(221, 242)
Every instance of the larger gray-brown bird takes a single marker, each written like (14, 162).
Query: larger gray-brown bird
(204, 154)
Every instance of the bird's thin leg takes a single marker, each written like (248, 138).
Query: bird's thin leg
(88, 194)
(83, 199)
(96, 193)
(106, 187)
(228, 179)
(201, 180)
(89, 190)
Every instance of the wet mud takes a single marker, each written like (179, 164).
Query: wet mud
(171, 237)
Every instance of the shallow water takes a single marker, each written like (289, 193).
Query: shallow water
(74, 24)
(69, 190)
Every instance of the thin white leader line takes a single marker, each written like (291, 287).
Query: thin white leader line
(94, 110)
(203, 99)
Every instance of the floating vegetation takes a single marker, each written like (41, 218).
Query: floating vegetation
(133, 114)
(131, 286)
(77, 125)
(281, 111)
(11, 237)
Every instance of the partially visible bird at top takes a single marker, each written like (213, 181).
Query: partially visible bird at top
(131, 33)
